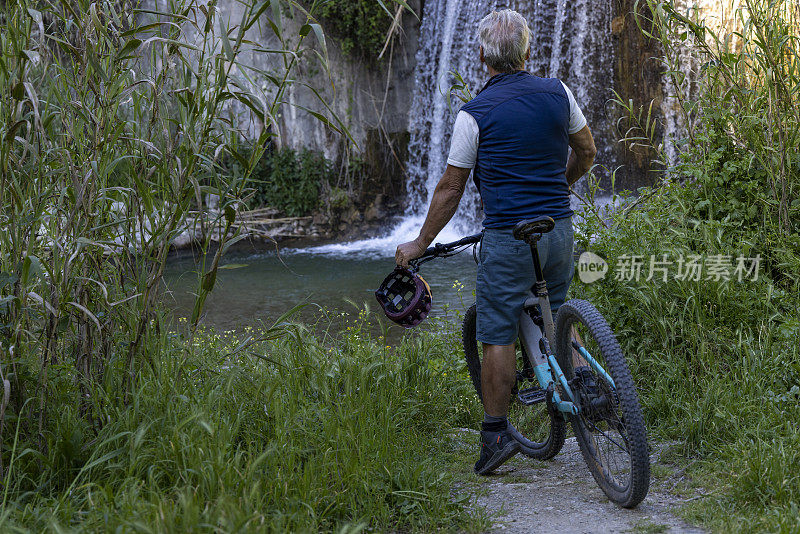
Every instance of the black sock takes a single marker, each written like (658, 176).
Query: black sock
(492, 423)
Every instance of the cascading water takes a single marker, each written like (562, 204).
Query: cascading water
(570, 41)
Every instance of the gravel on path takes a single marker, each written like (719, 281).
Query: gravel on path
(560, 495)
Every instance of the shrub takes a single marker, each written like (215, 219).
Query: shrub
(338, 199)
(289, 181)
(718, 363)
(110, 120)
(360, 25)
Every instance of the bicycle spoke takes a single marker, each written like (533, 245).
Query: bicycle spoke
(615, 459)
(609, 427)
(540, 433)
(603, 425)
(624, 449)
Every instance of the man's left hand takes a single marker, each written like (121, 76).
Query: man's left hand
(407, 252)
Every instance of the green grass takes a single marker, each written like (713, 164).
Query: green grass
(717, 366)
(297, 435)
(718, 363)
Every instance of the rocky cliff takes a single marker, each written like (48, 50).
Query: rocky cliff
(372, 98)
(637, 76)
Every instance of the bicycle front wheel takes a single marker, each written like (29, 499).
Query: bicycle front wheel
(539, 430)
(610, 427)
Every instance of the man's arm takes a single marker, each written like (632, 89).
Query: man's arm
(443, 206)
(582, 156)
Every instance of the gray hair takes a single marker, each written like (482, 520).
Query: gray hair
(505, 38)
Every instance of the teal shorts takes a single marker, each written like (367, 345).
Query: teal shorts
(505, 277)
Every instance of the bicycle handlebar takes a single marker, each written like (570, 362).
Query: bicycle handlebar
(440, 248)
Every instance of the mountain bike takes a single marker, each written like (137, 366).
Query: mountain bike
(568, 370)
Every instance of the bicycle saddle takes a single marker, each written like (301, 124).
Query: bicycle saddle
(525, 230)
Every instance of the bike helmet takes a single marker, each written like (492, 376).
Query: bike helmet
(405, 297)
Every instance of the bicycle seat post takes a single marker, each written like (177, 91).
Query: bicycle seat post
(540, 287)
(540, 291)
(530, 231)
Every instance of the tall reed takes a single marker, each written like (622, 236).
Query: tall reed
(115, 117)
(717, 360)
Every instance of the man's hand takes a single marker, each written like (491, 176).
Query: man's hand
(407, 252)
(443, 206)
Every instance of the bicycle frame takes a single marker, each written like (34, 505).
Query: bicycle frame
(543, 362)
(537, 346)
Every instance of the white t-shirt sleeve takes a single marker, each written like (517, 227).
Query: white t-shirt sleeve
(576, 119)
(464, 143)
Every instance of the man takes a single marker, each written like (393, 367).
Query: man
(516, 135)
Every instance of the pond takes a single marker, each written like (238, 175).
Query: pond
(259, 284)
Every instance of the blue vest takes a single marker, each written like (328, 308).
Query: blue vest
(522, 148)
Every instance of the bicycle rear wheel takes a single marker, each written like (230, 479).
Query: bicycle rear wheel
(610, 428)
(539, 430)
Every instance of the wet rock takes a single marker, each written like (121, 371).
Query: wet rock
(375, 211)
(351, 216)
(320, 218)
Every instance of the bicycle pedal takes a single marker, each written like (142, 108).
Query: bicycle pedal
(531, 396)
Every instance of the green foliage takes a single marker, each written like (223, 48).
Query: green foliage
(299, 183)
(709, 357)
(361, 26)
(338, 199)
(739, 108)
(718, 362)
(113, 125)
(288, 180)
(289, 435)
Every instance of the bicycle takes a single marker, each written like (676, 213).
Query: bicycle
(586, 381)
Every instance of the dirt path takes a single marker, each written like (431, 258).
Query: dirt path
(561, 496)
